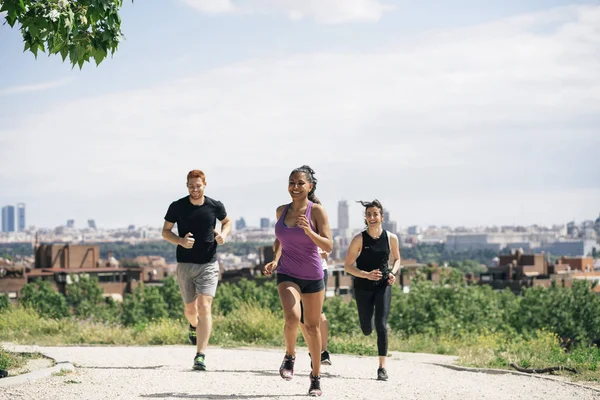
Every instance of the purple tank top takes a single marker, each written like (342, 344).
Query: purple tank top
(299, 255)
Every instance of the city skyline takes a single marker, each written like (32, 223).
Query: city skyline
(458, 113)
(242, 222)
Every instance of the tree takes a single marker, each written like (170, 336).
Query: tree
(144, 305)
(172, 296)
(79, 29)
(41, 297)
(85, 296)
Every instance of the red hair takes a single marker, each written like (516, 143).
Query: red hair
(196, 173)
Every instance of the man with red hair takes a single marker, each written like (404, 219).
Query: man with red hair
(197, 267)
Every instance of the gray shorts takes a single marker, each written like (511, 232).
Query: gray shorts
(194, 279)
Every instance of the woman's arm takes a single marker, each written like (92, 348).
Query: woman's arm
(395, 253)
(271, 266)
(322, 237)
(350, 263)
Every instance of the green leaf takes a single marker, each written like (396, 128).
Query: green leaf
(64, 52)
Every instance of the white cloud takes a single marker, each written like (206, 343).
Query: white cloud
(34, 87)
(322, 11)
(212, 7)
(458, 116)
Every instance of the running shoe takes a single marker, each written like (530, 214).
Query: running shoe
(199, 362)
(315, 386)
(287, 367)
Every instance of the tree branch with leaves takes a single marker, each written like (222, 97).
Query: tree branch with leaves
(78, 29)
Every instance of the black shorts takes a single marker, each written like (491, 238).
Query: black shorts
(306, 285)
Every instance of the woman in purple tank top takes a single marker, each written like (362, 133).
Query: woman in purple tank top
(302, 228)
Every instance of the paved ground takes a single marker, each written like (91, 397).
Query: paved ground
(165, 373)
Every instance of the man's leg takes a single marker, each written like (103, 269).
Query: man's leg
(205, 281)
(324, 332)
(324, 325)
(191, 313)
(187, 287)
(204, 327)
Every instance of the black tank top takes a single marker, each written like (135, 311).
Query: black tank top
(374, 254)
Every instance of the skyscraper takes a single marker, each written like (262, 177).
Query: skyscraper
(8, 219)
(21, 216)
(92, 223)
(240, 224)
(265, 223)
(343, 216)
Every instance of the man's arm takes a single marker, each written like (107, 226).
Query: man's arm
(225, 227)
(167, 233)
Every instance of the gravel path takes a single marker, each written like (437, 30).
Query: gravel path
(165, 373)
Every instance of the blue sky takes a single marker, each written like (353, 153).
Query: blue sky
(455, 112)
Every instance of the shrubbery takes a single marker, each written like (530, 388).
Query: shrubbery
(483, 326)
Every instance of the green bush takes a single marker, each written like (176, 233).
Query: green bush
(172, 297)
(249, 324)
(44, 299)
(144, 305)
(4, 303)
(342, 317)
(85, 297)
(5, 359)
(571, 313)
(261, 293)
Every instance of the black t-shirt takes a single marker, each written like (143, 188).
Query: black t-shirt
(201, 222)
(375, 254)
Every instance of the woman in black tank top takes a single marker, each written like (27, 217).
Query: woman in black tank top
(368, 260)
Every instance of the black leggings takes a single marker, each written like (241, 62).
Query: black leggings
(377, 300)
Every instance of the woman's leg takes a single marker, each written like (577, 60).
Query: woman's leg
(313, 304)
(383, 299)
(289, 294)
(365, 304)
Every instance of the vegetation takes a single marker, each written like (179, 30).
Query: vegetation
(11, 361)
(80, 30)
(544, 327)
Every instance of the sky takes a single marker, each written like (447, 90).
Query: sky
(460, 113)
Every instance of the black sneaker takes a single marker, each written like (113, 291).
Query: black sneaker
(325, 360)
(382, 374)
(199, 362)
(192, 334)
(287, 367)
(315, 386)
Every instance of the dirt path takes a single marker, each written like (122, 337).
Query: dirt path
(164, 372)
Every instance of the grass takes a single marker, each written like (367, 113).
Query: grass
(256, 326)
(12, 361)
(543, 350)
(62, 372)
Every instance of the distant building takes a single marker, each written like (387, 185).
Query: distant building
(91, 223)
(240, 224)
(61, 264)
(265, 223)
(21, 216)
(70, 223)
(414, 230)
(8, 219)
(388, 224)
(343, 215)
(517, 271)
(572, 248)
